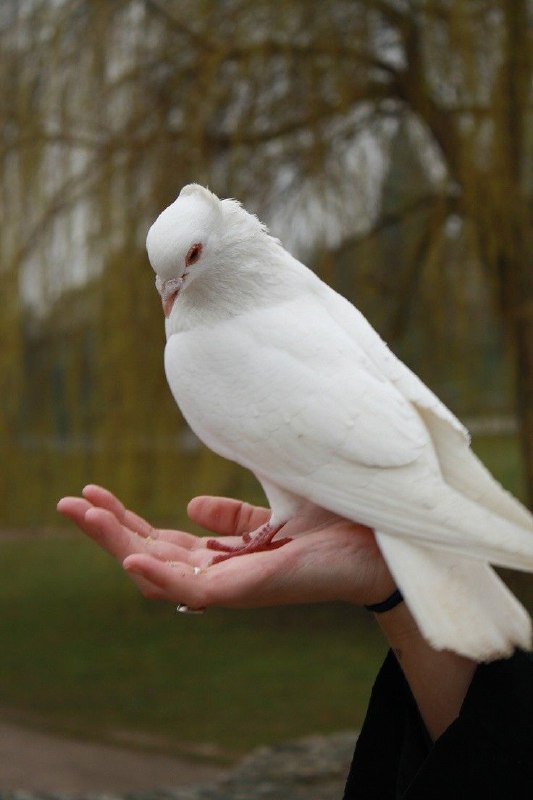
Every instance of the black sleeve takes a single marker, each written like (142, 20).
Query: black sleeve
(487, 752)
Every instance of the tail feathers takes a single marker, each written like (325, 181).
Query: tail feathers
(458, 603)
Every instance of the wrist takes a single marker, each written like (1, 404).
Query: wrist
(399, 627)
(388, 604)
(380, 590)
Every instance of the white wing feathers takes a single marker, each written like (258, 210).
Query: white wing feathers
(307, 409)
(350, 319)
(463, 471)
(460, 466)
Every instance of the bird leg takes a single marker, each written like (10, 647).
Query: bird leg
(258, 541)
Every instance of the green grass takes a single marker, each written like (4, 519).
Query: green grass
(82, 650)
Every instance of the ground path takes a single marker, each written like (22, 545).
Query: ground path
(32, 760)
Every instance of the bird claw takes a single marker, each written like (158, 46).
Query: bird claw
(259, 541)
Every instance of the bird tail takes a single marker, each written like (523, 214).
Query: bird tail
(459, 603)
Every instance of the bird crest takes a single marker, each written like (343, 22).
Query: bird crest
(196, 190)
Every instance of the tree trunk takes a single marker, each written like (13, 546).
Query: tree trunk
(524, 392)
(512, 215)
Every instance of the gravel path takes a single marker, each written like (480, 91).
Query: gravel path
(34, 761)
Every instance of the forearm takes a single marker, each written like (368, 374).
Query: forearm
(438, 680)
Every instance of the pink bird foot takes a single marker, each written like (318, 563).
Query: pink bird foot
(258, 541)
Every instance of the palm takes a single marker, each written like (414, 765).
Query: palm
(335, 560)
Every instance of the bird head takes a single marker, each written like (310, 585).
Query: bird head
(216, 258)
(183, 241)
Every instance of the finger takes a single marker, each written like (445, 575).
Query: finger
(139, 525)
(100, 524)
(175, 581)
(105, 529)
(179, 538)
(108, 532)
(75, 509)
(103, 498)
(248, 581)
(224, 515)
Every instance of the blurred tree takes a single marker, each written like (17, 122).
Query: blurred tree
(295, 107)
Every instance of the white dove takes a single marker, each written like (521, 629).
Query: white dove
(273, 369)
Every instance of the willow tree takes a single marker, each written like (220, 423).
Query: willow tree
(293, 106)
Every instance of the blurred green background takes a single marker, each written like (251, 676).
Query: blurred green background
(389, 144)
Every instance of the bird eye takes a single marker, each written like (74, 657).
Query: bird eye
(195, 251)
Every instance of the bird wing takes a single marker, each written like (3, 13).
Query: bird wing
(286, 377)
(451, 441)
(286, 392)
(355, 325)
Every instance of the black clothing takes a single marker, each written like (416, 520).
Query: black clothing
(487, 752)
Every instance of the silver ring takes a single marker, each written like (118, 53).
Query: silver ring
(181, 608)
(196, 570)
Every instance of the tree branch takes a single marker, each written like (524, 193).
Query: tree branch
(312, 49)
(199, 38)
(71, 190)
(407, 290)
(390, 12)
(396, 217)
(373, 92)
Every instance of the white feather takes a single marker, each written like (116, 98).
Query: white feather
(459, 604)
(276, 371)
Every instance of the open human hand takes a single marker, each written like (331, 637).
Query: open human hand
(334, 560)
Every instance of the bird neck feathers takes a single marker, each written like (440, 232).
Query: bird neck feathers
(251, 270)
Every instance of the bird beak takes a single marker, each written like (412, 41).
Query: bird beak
(168, 291)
